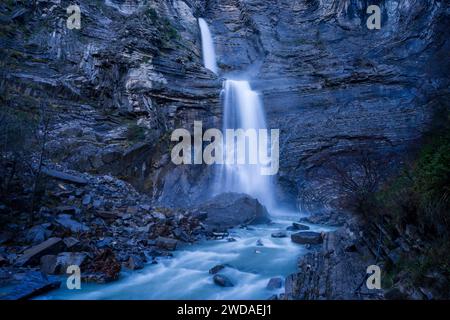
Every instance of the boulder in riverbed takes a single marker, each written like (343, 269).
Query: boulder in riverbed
(280, 234)
(275, 283)
(222, 281)
(307, 237)
(166, 243)
(229, 210)
(299, 226)
(135, 262)
(216, 269)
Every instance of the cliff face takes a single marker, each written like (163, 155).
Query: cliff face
(133, 72)
(334, 87)
(116, 88)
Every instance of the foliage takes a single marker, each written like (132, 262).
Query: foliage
(420, 195)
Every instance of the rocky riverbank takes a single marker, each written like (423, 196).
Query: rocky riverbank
(336, 269)
(101, 224)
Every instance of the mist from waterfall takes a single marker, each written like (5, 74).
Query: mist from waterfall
(242, 109)
(209, 54)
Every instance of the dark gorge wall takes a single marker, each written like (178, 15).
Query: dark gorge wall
(117, 87)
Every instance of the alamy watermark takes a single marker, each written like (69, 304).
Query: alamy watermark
(374, 278)
(374, 20)
(74, 280)
(238, 146)
(74, 20)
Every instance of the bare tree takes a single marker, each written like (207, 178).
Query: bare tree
(358, 180)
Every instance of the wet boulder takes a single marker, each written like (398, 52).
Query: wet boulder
(299, 226)
(166, 243)
(280, 234)
(307, 237)
(135, 262)
(275, 283)
(229, 210)
(222, 281)
(216, 269)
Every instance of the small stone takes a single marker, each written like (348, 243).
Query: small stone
(38, 234)
(67, 222)
(48, 264)
(135, 263)
(275, 283)
(216, 269)
(132, 210)
(166, 243)
(71, 243)
(86, 200)
(222, 281)
(180, 234)
(299, 226)
(280, 234)
(67, 209)
(97, 203)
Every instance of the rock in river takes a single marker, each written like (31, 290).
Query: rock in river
(229, 210)
(275, 283)
(299, 226)
(135, 262)
(166, 243)
(280, 234)
(222, 281)
(216, 269)
(307, 237)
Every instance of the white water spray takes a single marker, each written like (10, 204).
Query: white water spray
(209, 54)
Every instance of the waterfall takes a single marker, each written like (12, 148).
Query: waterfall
(243, 109)
(209, 54)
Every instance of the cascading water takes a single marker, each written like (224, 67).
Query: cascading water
(209, 54)
(243, 109)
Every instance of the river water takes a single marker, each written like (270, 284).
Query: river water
(249, 266)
